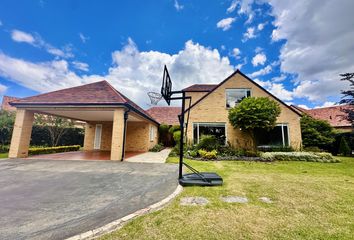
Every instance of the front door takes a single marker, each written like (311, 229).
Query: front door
(98, 135)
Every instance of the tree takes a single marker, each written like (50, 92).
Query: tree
(254, 113)
(316, 133)
(348, 97)
(7, 120)
(56, 126)
(344, 148)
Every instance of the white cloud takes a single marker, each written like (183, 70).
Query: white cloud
(81, 66)
(37, 41)
(326, 104)
(264, 71)
(133, 72)
(20, 36)
(178, 6)
(83, 38)
(3, 89)
(236, 53)
(258, 49)
(232, 6)
(280, 78)
(277, 89)
(249, 34)
(319, 39)
(259, 59)
(303, 106)
(261, 26)
(225, 24)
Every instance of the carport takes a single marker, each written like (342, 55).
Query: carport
(114, 124)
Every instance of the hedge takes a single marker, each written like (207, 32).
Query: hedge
(299, 156)
(46, 150)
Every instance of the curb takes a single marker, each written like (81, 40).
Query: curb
(117, 224)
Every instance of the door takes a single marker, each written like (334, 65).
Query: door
(98, 135)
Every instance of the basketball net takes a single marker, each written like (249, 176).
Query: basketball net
(154, 97)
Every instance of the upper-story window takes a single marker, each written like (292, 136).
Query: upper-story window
(235, 96)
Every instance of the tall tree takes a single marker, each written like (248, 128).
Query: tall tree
(348, 97)
(56, 126)
(254, 113)
(7, 120)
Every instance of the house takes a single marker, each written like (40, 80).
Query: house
(165, 115)
(209, 114)
(5, 105)
(113, 122)
(334, 115)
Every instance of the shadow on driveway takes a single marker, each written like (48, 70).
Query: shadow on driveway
(44, 199)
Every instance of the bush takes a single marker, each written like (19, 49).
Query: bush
(157, 148)
(280, 148)
(344, 148)
(177, 136)
(174, 129)
(4, 148)
(208, 142)
(312, 149)
(298, 156)
(207, 154)
(46, 150)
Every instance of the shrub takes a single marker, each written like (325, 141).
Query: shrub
(280, 148)
(174, 129)
(344, 148)
(208, 142)
(157, 148)
(298, 156)
(207, 154)
(312, 149)
(193, 153)
(177, 136)
(4, 148)
(46, 150)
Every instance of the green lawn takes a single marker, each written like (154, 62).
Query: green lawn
(311, 201)
(3, 155)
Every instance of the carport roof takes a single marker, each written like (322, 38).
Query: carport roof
(98, 93)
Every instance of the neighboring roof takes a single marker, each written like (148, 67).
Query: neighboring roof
(6, 103)
(334, 115)
(233, 74)
(98, 93)
(166, 115)
(200, 88)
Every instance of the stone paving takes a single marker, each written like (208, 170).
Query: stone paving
(194, 201)
(150, 157)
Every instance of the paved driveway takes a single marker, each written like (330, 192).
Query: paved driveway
(43, 199)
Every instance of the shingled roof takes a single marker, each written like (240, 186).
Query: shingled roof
(98, 93)
(200, 88)
(334, 115)
(166, 115)
(6, 103)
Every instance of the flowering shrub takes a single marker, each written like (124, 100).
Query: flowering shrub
(207, 155)
(299, 156)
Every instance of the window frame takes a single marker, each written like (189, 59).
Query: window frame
(282, 132)
(230, 89)
(152, 134)
(221, 124)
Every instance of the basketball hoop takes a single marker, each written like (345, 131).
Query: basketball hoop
(154, 97)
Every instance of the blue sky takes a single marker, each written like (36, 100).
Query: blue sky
(296, 51)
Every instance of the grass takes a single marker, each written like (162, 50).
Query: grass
(311, 201)
(4, 155)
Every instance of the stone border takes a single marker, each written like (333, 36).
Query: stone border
(119, 223)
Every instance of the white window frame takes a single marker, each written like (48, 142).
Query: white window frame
(282, 132)
(152, 133)
(211, 124)
(231, 89)
(97, 145)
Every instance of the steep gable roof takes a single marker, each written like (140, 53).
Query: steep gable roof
(253, 82)
(200, 88)
(97, 93)
(166, 115)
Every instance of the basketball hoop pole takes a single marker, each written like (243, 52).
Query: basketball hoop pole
(181, 122)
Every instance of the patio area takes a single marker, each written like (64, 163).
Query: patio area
(82, 155)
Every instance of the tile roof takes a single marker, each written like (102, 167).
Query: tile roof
(200, 88)
(166, 115)
(6, 103)
(98, 93)
(334, 115)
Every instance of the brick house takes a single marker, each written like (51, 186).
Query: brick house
(114, 123)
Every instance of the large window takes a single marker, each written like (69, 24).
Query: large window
(235, 96)
(278, 136)
(216, 129)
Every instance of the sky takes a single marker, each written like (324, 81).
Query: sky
(294, 49)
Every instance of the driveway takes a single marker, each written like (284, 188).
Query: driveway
(56, 199)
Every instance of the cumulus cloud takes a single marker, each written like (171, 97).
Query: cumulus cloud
(280, 78)
(232, 6)
(81, 66)
(259, 59)
(261, 26)
(225, 24)
(37, 41)
(3, 89)
(277, 89)
(249, 34)
(133, 72)
(236, 53)
(178, 6)
(20, 36)
(319, 42)
(326, 104)
(264, 71)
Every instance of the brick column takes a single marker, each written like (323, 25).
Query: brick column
(117, 134)
(21, 134)
(89, 136)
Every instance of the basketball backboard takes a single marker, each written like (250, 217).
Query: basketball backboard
(166, 88)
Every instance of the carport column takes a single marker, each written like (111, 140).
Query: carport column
(117, 134)
(21, 134)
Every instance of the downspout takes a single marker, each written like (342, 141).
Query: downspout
(124, 132)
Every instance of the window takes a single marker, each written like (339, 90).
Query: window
(152, 133)
(235, 96)
(278, 136)
(216, 129)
